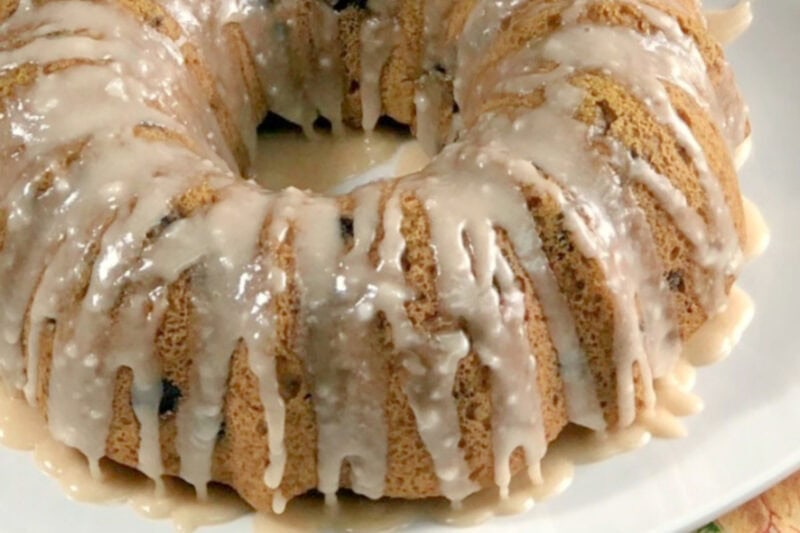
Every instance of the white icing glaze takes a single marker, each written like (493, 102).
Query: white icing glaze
(377, 38)
(716, 342)
(22, 428)
(597, 210)
(232, 226)
(428, 109)
(727, 25)
(758, 235)
(109, 239)
(643, 64)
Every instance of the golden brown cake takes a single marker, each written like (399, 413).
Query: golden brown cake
(422, 336)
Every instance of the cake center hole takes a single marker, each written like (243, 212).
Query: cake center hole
(331, 163)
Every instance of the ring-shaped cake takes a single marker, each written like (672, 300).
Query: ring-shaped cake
(421, 336)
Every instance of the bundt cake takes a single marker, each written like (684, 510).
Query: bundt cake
(421, 336)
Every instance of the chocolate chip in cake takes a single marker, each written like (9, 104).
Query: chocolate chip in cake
(170, 394)
(341, 5)
(675, 281)
(346, 227)
(354, 87)
(165, 222)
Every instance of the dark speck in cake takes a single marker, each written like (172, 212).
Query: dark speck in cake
(167, 220)
(675, 280)
(170, 394)
(346, 227)
(341, 5)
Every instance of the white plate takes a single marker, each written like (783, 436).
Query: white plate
(747, 438)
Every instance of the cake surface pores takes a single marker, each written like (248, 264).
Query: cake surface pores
(421, 336)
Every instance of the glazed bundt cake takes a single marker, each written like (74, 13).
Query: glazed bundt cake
(421, 336)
